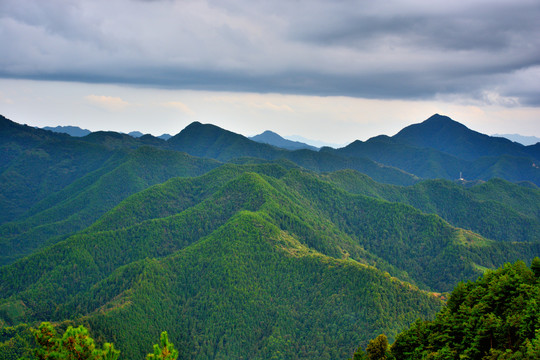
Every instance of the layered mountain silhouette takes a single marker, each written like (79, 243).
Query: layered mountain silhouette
(246, 250)
(206, 140)
(70, 130)
(444, 134)
(442, 148)
(524, 140)
(271, 138)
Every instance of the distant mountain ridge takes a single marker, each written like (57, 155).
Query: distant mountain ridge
(207, 140)
(444, 134)
(271, 138)
(524, 140)
(440, 147)
(70, 130)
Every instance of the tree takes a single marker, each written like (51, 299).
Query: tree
(377, 348)
(535, 266)
(75, 344)
(165, 352)
(359, 354)
(496, 317)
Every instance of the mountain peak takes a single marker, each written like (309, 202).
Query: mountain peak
(439, 118)
(444, 134)
(271, 138)
(441, 121)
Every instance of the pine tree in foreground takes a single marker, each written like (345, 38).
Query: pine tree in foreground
(494, 318)
(75, 344)
(164, 352)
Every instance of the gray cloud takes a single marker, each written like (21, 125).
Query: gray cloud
(394, 49)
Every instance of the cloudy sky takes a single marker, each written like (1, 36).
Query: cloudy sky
(330, 70)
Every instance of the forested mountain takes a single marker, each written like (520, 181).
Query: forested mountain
(444, 134)
(35, 163)
(207, 140)
(277, 226)
(442, 148)
(496, 209)
(495, 317)
(82, 202)
(240, 249)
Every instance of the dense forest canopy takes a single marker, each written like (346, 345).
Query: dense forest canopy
(243, 250)
(495, 317)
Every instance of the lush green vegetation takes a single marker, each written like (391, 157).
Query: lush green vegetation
(496, 209)
(211, 141)
(257, 244)
(442, 148)
(495, 317)
(44, 343)
(257, 258)
(81, 203)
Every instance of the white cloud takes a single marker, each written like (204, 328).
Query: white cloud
(180, 106)
(4, 99)
(494, 98)
(107, 102)
(387, 50)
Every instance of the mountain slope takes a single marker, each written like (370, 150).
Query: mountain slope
(444, 134)
(222, 264)
(212, 259)
(442, 148)
(496, 209)
(44, 168)
(423, 162)
(250, 290)
(326, 219)
(211, 141)
(84, 201)
(37, 163)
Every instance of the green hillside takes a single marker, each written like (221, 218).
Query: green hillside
(444, 134)
(251, 291)
(271, 240)
(39, 171)
(241, 250)
(82, 202)
(495, 317)
(442, 148)
(496, 209)
(206, 140)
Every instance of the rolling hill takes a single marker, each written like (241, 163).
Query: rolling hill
(190, 243)
(242, 250)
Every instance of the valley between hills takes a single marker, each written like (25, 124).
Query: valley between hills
(244, 249)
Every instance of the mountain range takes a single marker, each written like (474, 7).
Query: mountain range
(524, 140)
(240, 249)
(78, 132)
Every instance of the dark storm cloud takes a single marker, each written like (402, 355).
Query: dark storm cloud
(391, 49)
